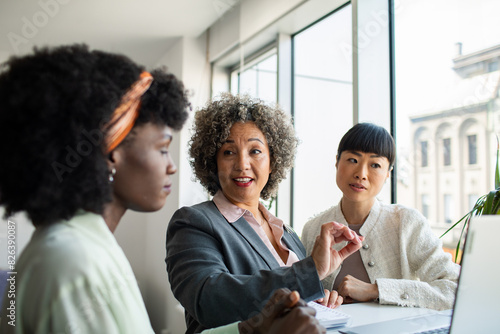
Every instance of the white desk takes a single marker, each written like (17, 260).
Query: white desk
(368, 313)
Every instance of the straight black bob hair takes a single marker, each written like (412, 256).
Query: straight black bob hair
(370, 138)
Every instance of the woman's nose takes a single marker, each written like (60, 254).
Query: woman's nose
(361, 172)
(171, 167)
(242, 162)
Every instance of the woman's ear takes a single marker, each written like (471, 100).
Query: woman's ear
(389, 173)
(114, 158)
(337, 161)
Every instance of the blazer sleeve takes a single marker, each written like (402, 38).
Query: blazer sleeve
(429, 275)
(218, 277)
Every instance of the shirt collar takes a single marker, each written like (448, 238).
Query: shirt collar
(233, 212)
(230, 211)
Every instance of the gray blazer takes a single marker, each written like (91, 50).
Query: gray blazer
(222, 272)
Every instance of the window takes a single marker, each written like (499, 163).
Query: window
(447, 151)
(445, 89)
(448, 208)
(322, 111)
(423, 152)
(449, 59)
(425, 205)
(472, 199)
(472, 146)
(493, 66)
(259, 80)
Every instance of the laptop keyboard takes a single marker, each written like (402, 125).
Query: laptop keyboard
(442, 330)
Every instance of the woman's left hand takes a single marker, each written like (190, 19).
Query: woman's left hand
(332, 299)
(324, 256)
(351, 287)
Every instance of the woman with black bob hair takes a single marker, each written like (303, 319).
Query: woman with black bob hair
(88, 134)
(226, 256)
(402, 261)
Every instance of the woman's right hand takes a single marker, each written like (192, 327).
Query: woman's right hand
(332, 299)
(325, 257)
(285, 312)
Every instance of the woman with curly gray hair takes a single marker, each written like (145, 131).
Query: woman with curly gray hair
(213, 125)
(226, 256)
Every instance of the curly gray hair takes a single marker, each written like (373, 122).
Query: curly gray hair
(212, 126)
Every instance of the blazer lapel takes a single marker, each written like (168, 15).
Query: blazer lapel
(293, 243)
(248, 233)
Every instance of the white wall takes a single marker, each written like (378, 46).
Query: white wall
(142, 236)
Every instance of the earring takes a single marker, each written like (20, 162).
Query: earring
(111, 175)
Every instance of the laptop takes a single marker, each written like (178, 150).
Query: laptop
(477, 302)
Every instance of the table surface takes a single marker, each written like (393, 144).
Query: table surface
(369, 313)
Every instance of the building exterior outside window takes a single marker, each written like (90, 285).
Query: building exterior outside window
(423, 153)
(472, 149)
(447, 151)
(472, 200)
(465, 135)
(448, 208)
(425, 205)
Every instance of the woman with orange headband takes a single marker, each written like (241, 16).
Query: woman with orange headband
(89, 134)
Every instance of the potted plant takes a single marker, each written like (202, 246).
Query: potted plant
(488, 204)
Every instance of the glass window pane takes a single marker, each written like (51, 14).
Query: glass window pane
(260, 80)
(322, 112)
(471, 141)
(425, 205)
(448, 208)
(446, 96)
(447, 151)
(423, 145)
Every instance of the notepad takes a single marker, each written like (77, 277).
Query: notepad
(329, 318)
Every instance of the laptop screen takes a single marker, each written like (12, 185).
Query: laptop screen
(477, 302)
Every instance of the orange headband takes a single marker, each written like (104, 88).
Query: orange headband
(125, 115)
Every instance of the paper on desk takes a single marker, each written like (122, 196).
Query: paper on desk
(328, 317)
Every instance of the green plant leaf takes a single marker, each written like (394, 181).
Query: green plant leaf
(456, 223)
(457, 250)
(496, 203)
(497, 172)
(488, 204)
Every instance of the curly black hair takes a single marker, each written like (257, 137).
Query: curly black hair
(54, 105)
(212, 126)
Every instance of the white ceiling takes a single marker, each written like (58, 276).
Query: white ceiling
(144, 30)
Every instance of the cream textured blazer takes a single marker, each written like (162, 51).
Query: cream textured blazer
(400, 253)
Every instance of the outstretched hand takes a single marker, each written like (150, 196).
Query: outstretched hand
(325, 257)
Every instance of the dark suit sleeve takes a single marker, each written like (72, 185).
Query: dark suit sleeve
(219, 278)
